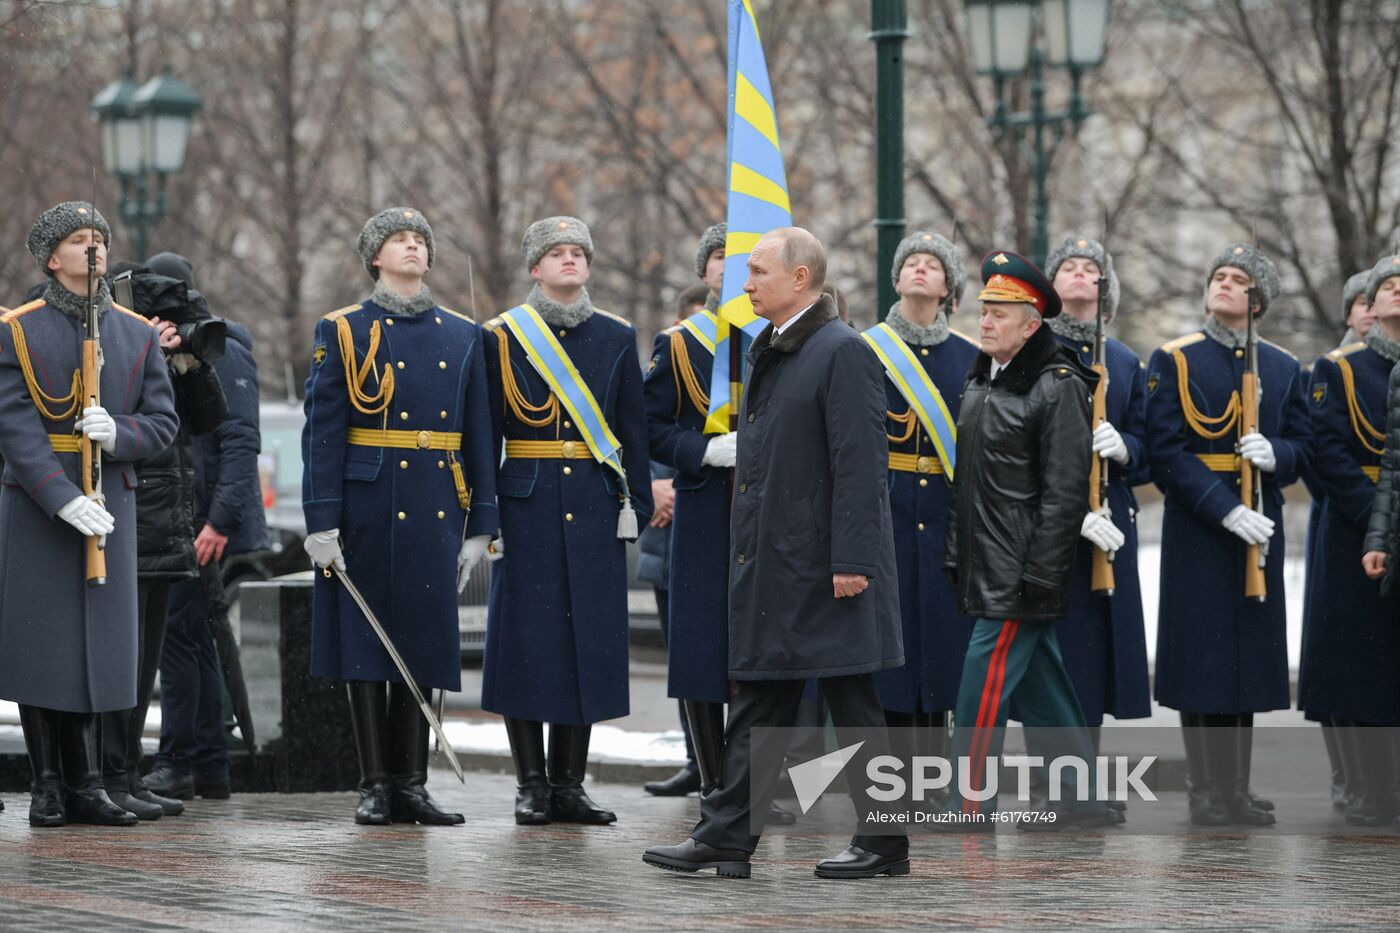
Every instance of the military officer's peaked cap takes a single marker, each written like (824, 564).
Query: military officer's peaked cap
(384, 225)
(543, 235)
(57, 223)
(1013, 279)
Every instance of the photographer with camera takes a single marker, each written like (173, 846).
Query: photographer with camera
(191, 339)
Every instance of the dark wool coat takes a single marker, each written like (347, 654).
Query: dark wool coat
(1218, 652)
(1351, 633)
(811, 501)
(399, 516)
(226, 462)
(1022, 487)
(557, 633)
(1383, 532)
(697, 644)
(65, 645)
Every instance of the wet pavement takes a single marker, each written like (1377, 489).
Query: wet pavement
(284, 862)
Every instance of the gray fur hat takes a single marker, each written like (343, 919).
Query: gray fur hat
(934, 245)
(384, 225)
(1082, 247)
(1258, 266)
(1387, 267)
(711, 240)
(56, 223)
(543, 235)
(1355, 286)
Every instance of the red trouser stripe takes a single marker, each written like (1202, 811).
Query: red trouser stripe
(990, 706)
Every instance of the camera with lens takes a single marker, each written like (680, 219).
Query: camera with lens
(151, 295)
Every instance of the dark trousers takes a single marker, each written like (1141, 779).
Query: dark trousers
(725, 820)
(191, 686)
(1013, 659)
(121, 729)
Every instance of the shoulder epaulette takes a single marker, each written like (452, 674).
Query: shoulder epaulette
(142, 318)
(1185, 341)
(616, 317)
(34, 305)
(672, 329)
(341, 312)
(1270, 343)
(1346, 350)
(459, 314)
(495, 322)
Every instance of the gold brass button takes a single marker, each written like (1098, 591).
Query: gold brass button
(424, 439)
(403, 416)
(921, 526)
(569, 449)
(562, 332)
(1239, 352)
(442, 515)
(567, 425)
(923, 351)
(923, 481)
(403, 464)
(442, 414)
(441, 464)
(437, 320)
(442, 364)
(568, 516)
(1087, 348)
(924, 464)
(568, 470)
(402, 516)
(400, 364)
(389, 321)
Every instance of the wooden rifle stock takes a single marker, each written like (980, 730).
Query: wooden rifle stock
(1250, 480)
(1101, 575)
(91, 453)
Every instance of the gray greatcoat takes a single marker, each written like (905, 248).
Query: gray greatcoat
(811, 500)
(65, 645)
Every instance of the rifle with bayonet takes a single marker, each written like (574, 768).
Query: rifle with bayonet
(1251, 485)
(1101, 575)
(96, 571)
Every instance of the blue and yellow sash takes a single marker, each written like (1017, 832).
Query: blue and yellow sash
(555, 368)
(909, 377)
(704, 326)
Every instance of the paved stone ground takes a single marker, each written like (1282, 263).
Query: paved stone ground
(259, 863)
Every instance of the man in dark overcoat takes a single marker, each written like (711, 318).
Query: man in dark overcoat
(399, 490)
(813, 589)
(1222, 656)
(556, 636)
(68, 650)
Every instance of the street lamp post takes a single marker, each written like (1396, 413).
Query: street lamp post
(1017, 39)
(889, 21)
(144, 130)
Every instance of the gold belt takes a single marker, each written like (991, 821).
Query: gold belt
(66, 443)
(1373, 473)
(1220, 463)
(408, 440)
(909, 463)
(549, 450)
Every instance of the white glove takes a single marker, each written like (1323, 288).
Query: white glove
(1257, 450)
(324, 548)
(1098, 527)
(97, 425)
(496, 549)
(1109, 443)
(1250, 526)
(473, 550)
(722, 451)
(87, 516)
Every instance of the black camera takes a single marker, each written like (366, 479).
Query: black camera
(151, 295)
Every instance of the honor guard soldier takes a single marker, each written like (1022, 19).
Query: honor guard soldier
(1350, 637)
(678, 401)
(68, 629)
(1102, 637)
(1221, 651)
(399, 496)
(925, 363)
(566, 400)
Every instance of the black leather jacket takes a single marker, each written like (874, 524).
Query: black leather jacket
(1021, 482)
(1384, 532)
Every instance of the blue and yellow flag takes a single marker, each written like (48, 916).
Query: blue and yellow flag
(758, 200)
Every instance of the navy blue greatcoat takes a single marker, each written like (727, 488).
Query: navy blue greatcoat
(698, 640)
(1102, 639)
(1216, 651)
(935, 632)
(401, 523)
(65, 645)
(1351, 640)
(556, 638)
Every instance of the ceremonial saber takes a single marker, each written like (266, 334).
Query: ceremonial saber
(397, 658)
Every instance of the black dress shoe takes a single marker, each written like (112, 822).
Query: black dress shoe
(411, 803)
(46, 805)
(1244, 813)
(683, 782)
(570, 804)
(142, 809)
(777, 816)
(212, 785)
(93, 807)
(166, 781)
(692, 856)
(856, 862)
(169, 805)
(532, 805)
(374, 808)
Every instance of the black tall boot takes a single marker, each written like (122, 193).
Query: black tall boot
(706, 722)
(408, 764)
(1336, 764)
(369, 718)
(86, 799)
(1206, 804)
(1245, 722)
(532, 805)
(41, 739)
(1245, 808)
(568, 760)
(1373, 802)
